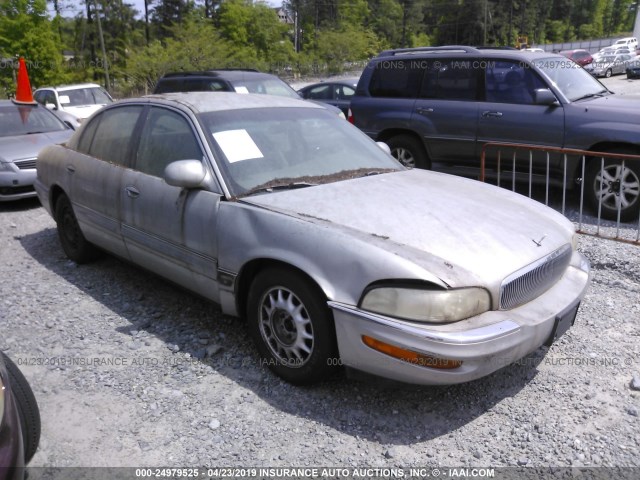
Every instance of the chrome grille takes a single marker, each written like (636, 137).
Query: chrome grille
(533, 280)
(26, 164)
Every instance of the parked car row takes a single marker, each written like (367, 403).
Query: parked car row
(284, 216)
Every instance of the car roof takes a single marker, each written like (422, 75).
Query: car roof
(202, 102)
(62, 88)
(334, 81)
(230, 75)
(462, 51)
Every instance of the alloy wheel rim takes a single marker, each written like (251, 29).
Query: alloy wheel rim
(285, 326)
(617, 187)
(404, 156)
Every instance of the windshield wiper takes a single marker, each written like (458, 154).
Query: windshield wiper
(601, 93)
(275, 186)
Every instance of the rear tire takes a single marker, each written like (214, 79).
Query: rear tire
(27, 408)
(409, 151)
(614, 187)
(74, 244)
(608, 73)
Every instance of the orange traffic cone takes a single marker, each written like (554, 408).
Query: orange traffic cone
(23, 90)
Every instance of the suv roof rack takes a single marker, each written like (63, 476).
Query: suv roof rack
(444, 49)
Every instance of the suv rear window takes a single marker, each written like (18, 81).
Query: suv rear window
(396, 79)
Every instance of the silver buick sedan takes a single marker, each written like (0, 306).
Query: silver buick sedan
(334, 253)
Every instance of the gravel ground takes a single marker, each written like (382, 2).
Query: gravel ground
(131, 371)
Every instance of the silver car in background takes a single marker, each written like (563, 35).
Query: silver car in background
(289, 217)
(24, 130)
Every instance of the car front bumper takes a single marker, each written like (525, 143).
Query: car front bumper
(483, 344)
(16, 184)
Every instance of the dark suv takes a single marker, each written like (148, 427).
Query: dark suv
(240, 81)
(436, 107)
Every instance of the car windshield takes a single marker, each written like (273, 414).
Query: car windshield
(268, 86)
(264, 149)
(570, 78)
(27, 119)
(84, 96)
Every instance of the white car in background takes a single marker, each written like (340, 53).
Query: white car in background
(73, 103)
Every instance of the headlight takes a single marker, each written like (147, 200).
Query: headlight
(437, 306)
(6, 167)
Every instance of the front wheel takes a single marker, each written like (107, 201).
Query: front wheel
(614, 187)
(409, 151)
(292, 326)
(608, 73)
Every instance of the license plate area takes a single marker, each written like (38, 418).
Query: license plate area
(563, 322)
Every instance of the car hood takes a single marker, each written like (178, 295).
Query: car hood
(83, 111)
(453, 227)
(608, 104)
(27, 146)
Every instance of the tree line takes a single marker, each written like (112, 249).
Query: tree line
(109, 42)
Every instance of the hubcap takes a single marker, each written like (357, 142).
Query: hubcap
(617, 187)
(286, 327)
(404, 156)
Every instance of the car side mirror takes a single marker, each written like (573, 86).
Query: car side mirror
(384, 147)
(544, 96)
(185, 174)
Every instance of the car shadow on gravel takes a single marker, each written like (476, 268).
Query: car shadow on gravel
(150, 308)
(20, 205)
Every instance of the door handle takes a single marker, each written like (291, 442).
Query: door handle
(491, 114)
(424, 111)
(71, 169)
(132, 192)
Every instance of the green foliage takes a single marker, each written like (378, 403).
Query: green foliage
(331, 35)
(25, 30)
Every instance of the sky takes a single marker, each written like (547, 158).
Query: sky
(76, 6)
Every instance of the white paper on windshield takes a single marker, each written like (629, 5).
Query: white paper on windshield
(237, 145)
(241, 89)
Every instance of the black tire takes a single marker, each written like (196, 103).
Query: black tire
(409, 151)
(300, 350)
(27, 408)
(608, 73)
(619, 187)
(75, 246)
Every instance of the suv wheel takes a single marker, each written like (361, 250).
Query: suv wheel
(614, 186)
(409, 151)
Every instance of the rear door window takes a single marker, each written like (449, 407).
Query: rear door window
(114, 133)
(451, 80)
